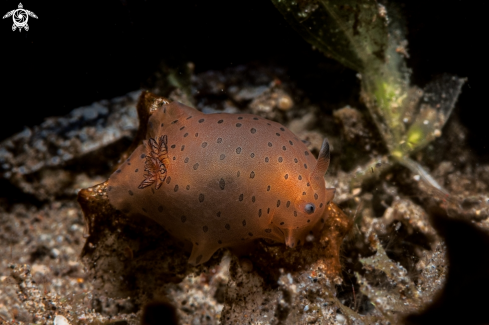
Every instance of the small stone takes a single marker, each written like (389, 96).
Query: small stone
(340, 319)
(55, 253)
(61, 320)
(284, 102)
(246, 265)
(356, 191)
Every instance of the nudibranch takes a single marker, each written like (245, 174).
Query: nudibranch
(223, 180)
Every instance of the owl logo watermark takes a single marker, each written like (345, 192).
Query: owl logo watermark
(20, 17)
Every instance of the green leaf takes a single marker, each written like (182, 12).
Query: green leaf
(360, 35)
(351, 32)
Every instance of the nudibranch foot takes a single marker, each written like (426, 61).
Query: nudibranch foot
(202, 253)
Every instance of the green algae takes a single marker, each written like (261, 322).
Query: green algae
(369, 38)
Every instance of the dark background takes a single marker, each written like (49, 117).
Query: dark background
(80, 52)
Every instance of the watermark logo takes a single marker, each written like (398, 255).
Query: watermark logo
(20, 17)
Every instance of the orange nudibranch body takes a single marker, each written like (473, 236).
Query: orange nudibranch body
(220, 180)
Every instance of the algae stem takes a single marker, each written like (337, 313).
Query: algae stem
(418, 170)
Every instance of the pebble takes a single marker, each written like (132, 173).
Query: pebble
(61, 320)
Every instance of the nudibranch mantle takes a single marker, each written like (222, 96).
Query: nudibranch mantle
(221, 180)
